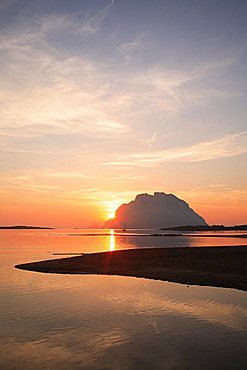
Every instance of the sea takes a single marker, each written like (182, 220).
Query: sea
(89, 322)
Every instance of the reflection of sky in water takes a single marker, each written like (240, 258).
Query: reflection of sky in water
(66, 241)
(110, 322)
(146, 241)
(149, 241)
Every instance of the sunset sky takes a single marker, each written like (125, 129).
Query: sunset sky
(102, 100)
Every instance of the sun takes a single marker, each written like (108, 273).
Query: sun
(111, 207)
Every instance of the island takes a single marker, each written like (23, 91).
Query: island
(207, 228)
(214, 266)
(149, 211)
(23, 227)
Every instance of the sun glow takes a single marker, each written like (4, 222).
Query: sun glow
(111, 214)
(110, 207)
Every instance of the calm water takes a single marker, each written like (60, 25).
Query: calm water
(110, 322)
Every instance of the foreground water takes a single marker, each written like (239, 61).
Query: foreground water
(109, 322)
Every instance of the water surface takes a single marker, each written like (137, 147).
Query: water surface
(108, 322)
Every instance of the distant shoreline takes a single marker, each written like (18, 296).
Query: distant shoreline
(163, 235)
(176, 228)
(20, 227)
(214, 266)
(207, 228)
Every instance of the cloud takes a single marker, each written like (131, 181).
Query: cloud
(225, 147)
(52, 91)
(84, 21)
(132, 49)
(152, 140)
(72, 92)
(217, 195)
(66, 175)
(129, 177)
(91, 22)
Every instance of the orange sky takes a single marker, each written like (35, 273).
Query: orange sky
(47, 210)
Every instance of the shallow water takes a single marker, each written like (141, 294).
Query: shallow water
(110, 322)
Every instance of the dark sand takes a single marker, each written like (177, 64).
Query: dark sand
(214, 266)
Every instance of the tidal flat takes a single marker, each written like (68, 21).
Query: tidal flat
(216, 266)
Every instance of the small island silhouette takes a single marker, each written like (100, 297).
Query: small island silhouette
(206, 228)
(21, 227)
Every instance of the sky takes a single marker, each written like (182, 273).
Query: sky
(102, 100)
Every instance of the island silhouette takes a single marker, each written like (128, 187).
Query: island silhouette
(25, 227)
(154, 211)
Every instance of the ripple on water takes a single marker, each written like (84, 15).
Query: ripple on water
(111, 322)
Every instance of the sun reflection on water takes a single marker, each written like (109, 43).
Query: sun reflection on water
(112, 240)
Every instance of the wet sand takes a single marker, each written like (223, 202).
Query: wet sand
(209, 266)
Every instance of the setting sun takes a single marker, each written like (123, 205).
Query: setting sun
(109, 207)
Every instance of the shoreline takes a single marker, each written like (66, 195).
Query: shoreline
(224, 267)
(163, 235)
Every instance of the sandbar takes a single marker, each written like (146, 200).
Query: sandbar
(208, 266)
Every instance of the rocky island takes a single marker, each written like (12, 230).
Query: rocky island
(154, 211)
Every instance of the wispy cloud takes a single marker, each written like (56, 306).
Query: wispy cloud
(227, 146)
(84, 21)
(129, 177)
(91, 22)
(66, 175)
(66, 92)
(152, 140)
(132, 50)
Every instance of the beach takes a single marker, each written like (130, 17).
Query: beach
(214, 266)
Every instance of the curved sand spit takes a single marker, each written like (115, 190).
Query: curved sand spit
(212, 266)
